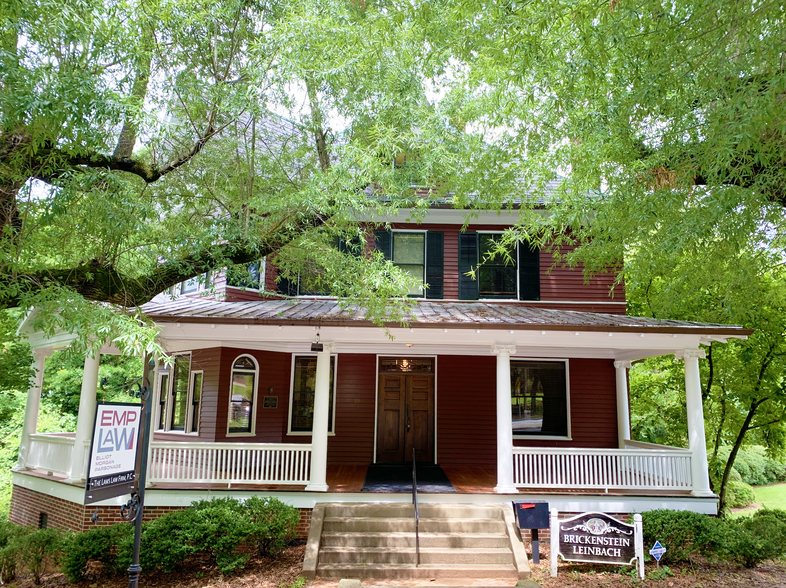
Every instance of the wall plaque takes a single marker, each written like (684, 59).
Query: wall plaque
(270, 402)
(595, 537)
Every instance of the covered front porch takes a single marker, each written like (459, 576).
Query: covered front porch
(468, 356)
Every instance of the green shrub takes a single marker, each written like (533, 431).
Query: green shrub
(220, 526)
(751, 540)
(739, 495)
(38, 549)
(753, 465)
(683, 533)
(771, 512)
(216, 527)
(273, 523)
(100, 544)
(165, 541)
(9, 550)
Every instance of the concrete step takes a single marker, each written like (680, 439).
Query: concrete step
(426, 510)
(404, 540)
(401, 524)
(405, 571)
(428, 555)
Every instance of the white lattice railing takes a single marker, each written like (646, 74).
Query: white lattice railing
(51, 452)
(230, 463)
(607, 469)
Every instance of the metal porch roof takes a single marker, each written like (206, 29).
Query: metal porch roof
(423, 314)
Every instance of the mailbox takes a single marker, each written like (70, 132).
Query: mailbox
(533, 514)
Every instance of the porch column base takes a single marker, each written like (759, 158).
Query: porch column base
(704, 493)
(506, 490)
(317, 488)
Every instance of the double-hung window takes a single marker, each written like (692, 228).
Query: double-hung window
(497, 276)
(301, 403)
(179, 395)
(243, 396)
(418, 253)
(540, 398)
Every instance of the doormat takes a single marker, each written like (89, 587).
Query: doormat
(398, 478)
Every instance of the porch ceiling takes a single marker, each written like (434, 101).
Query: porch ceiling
(435, 327)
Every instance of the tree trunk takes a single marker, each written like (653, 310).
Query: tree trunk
(733, 455)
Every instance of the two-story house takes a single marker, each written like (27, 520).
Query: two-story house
(513, 382)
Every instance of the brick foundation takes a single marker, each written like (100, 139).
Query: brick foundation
(28, 505)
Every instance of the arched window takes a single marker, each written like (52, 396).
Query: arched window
(243, 395)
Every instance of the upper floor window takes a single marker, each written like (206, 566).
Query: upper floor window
(539, 398)
(179, 394)
(195, 284)
(243, 396)
(309, 280)
(249, 277)
(513, 277)
(418, 253)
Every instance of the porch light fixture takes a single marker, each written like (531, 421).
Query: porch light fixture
(316, 345)
(409, 344)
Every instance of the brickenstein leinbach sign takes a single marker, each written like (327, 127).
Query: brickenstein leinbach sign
(113, 451)
(595, 537)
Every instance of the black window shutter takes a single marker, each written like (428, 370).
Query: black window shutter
(468, 260)
(529, 272)
(383, 243)
(435, 262)
(352, 246)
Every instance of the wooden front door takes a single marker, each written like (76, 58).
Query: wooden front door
(406, 410)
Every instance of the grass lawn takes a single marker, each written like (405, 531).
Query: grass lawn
(773, 496)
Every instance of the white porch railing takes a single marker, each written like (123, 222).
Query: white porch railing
(606, 469)
(52, 452)
(230, 463)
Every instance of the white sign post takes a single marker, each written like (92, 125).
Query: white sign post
(113, 451)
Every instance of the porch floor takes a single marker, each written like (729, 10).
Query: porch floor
(350, 478)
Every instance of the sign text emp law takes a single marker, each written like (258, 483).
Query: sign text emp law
(113, 452)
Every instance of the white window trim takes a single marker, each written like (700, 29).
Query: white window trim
(331, 433)
(425, 257)
(518, 273)
(255, 397)
(157, 417)
(190, 409)
(569, 436)
(168, 402)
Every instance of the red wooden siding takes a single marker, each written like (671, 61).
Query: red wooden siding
(568, 283)
(466, 410)
(353, 442)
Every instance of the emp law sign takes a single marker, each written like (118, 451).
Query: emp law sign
(595, 537)
(113, 452)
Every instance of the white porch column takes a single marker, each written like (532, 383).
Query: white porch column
(319, 431)
(623, 406)
(504, 421)
(696, 441)
(87, 413)
(30, 424)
